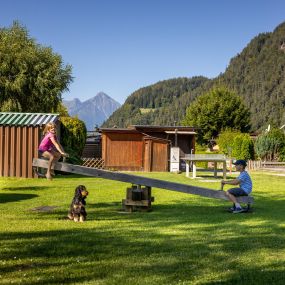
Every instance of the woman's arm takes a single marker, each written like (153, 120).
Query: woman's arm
(57, 145)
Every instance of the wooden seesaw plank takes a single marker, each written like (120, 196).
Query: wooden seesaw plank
(139, 180)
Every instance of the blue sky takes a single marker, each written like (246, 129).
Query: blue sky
(119, 46)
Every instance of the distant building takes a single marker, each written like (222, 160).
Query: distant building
(93, 146)
(144, 148)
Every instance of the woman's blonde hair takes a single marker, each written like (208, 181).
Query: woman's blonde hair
(48, 127)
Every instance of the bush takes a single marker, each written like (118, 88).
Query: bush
(225, 141)
(73, 138)
(236, 144)
(247, 147)
(271, 145)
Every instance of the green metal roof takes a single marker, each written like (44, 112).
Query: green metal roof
(26, 119)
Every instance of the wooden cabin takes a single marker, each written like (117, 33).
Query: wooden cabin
(144, 148)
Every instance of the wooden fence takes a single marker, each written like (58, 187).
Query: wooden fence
(254, 164)
(258, 164)
(94, 163)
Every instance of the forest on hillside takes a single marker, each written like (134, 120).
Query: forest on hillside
(256, 74)
(160, 104)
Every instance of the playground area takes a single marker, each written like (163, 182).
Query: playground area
(185, 239)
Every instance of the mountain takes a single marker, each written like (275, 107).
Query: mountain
(163, 103)
(93, 111)
(257, 74)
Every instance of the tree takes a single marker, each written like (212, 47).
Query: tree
(271, 145)
(62, 110)
(32, 77)
(10, 105)
(216, 110)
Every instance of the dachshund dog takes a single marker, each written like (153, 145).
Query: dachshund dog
(77, 211)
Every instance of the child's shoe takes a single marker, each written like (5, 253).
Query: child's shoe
(238, 210)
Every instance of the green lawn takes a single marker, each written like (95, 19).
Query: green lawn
(186, 239)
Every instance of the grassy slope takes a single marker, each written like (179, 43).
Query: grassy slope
(187, 239)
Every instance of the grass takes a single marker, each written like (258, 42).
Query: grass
(146, 110)
(186, 239)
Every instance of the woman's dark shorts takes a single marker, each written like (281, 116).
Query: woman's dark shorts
(237, 192)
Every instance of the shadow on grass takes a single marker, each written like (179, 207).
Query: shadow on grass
(97, 254)
(67, 175)
(263, 276)
(29, 188)
(182, 213)
(95, 212)
(6, 198)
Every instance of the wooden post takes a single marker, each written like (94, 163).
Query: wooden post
(148, 155)
(215, 169)
(194, 169)
(176, 130)
(187, 167)
(224, 170)
(131, 203)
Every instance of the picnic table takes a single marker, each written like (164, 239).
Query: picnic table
(194, 158)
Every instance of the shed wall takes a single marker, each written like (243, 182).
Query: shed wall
(18, 147)
(159, 156)
(155, 155)
(133, 152)
(123, 151)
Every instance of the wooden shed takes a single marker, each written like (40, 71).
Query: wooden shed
(144, 148)
(179, 136)
(20, 135)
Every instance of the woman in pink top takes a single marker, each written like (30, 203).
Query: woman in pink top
(50, 147)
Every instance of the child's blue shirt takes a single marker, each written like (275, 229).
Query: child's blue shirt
(245, 182)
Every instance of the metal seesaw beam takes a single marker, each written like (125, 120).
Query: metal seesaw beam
(139, 180)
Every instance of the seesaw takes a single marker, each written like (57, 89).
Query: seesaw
(138, 196)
